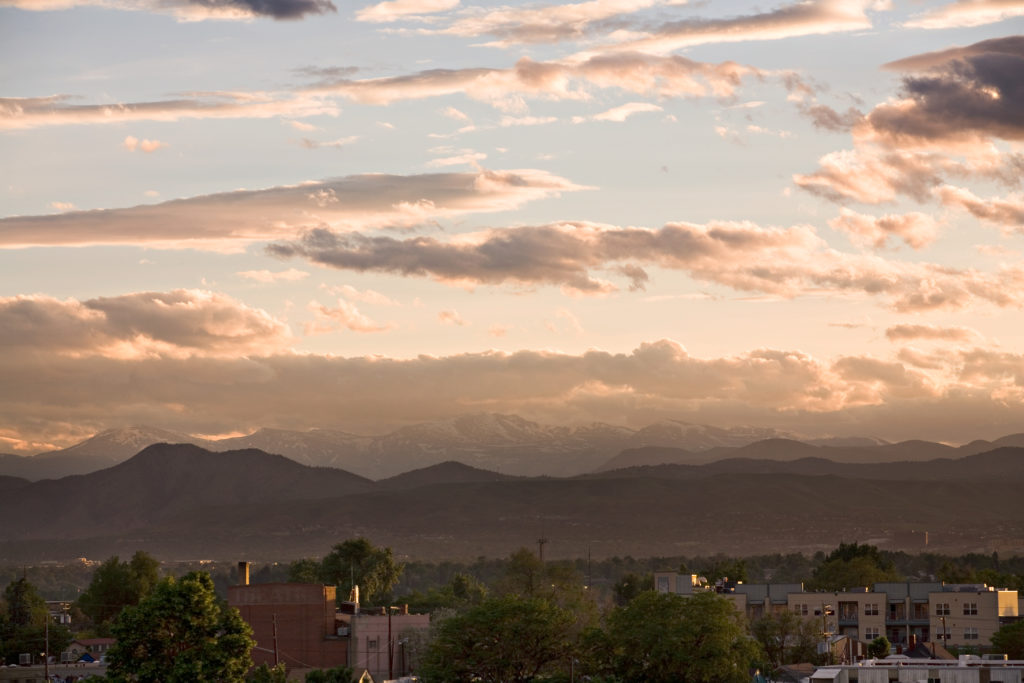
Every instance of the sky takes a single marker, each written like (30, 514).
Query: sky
(221, 215)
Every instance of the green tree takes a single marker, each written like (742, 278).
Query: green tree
(461, 592)
(630, 586)
(510, 639)
(879, 647)
(852, 565)
(23, 624)
(1009, 640)
(116, 585)
(557, 582)
(268, 674)
(179, 633)
(787, 638)
(663, 637)
(339, 674)
(306, 570)
(359, 562)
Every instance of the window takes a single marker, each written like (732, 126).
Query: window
(800, 609)
(970, 608)
(871, 609)
(663, 584)
(870, 633)
(942, 609)
(372, 643)
(970, 633)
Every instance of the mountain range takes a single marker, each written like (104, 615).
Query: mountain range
(185, 502)
(499, 443)
(503, 443)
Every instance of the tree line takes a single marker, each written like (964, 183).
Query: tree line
(522, 619)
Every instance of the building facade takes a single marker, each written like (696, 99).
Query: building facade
(904, 612)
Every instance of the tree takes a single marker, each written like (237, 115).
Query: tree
(787, 638)
(180, 632)
(339, 674)
(630, 586)
(852, 565)
(510, 639)
(116, 585)
(557, 582)
(358, 562)
(462, 591)
(879, 647)
(268, 674)
(23, 626)
(1009, 640)
(306, 570)
(663, 637)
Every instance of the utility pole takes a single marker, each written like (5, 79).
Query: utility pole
(276, 657)
(540, 547)
(391, 649)
(46, 654)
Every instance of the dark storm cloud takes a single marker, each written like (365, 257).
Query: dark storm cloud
(963, 94)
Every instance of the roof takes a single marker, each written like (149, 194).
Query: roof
(91, 642)
(929, 651)
(826, 674)
(793, 673)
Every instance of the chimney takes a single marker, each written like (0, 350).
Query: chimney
(243, 573)
(405, 608)
(353, 595)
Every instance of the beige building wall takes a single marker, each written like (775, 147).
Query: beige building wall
(859, 615)
(970, 617)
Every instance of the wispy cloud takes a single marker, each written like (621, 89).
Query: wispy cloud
(132, 143)
(19, 113)
(931, 332)
(193, 10)
(227, 220)
(395, 10)
(344, 315)
(268, 277)
(967, 13)
(781, 262)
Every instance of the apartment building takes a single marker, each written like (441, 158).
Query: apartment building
(968, 614)
(903, 612)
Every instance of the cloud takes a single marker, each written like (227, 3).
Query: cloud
(976, 93)
(671, 76)
(468, 157)
(346, 315)
(177, 324)
(340, 142)
(917, 229)
(539, 24)
(20, 113)
(451, 317)
(658, 380)
(804, 18)
(395, 10)
(623, 112)
(231, 218)
(267, 277)
(827, 118)
(898, 333)
(1007, 213)
(742, 256)
(193, 10)
(63, 206)
(967, 13)
(132, 143)
(367, 296)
